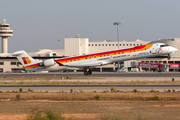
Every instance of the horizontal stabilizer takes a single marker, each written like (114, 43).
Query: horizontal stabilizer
(17, 53)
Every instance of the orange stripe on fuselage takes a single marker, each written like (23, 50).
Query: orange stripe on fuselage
(32, 66)
(103, 54)
(108, 53)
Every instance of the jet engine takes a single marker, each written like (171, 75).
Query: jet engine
(48, 62)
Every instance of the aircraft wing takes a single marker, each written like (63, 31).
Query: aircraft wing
(83, 65)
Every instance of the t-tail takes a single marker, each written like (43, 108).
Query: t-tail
(26, 60)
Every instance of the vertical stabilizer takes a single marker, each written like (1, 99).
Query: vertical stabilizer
(24, 58)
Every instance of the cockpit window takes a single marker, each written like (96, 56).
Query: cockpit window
(164, 45)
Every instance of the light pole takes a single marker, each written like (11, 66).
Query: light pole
(117, 23)
(59, 43)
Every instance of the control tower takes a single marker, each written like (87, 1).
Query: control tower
(5, 32)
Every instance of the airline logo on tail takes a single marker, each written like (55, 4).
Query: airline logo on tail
(26, 60)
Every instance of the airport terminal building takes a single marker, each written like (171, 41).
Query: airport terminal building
(80, 46)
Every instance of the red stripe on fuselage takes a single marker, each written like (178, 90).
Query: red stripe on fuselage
(102, 53)
(32, 66)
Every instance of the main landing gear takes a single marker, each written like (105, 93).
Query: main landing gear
(87, 72)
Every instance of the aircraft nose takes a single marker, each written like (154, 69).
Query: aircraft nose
(174, 49)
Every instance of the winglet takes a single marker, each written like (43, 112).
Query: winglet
(60, 64)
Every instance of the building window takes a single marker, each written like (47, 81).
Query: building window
(95, 44)
(119, 44)
(18, 63)
(54, 54)
(92, 45)
(141, 44)
(137, 44)
(112, 44)
(109, 44)
(99, 44)
(89, 44)
(102, 44)
(106, 44)
(134, 45)
(1, 69)
(116, 44)
(130, 44)
(123, 44)
(126, 44)
(1, 63)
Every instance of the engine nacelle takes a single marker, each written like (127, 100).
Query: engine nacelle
(49, 62)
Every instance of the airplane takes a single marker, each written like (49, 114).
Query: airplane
(89, 61)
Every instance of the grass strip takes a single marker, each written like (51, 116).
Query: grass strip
(119, 96)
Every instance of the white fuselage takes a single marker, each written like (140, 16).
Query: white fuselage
(155, 50)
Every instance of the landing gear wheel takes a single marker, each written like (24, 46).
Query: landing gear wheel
(85, 73)
(89, 72)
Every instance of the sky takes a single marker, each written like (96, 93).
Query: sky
(39, 24)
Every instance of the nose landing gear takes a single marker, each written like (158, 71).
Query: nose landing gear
(169, 57)
(87, 72)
